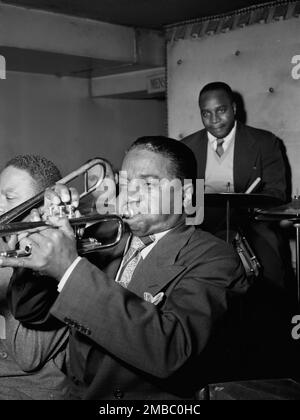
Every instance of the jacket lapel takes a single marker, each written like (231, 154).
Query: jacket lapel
(159, 267)
(198, 143)
(245, 155)
(202, 154)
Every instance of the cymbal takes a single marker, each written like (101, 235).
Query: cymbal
(288, 211)
(240, 200)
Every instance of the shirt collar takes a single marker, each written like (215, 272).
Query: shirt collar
(212, 139)
(156, 237)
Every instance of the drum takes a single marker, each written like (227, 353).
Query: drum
(248, 258)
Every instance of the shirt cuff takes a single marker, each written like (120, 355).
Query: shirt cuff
(67, 274)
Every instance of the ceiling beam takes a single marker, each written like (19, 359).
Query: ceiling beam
(61, 35)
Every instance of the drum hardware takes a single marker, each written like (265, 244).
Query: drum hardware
(290, 212)
(249, 260)
(239, 242)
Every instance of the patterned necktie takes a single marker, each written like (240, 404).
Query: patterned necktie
(132, 258)
(220, 149)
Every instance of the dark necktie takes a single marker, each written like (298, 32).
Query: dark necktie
(132, 258)
(220, 149)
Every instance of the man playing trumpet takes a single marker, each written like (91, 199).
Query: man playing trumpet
(31, 361)
(142, 327)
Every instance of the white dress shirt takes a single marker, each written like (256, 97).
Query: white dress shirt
(219, 169)
(227, 140)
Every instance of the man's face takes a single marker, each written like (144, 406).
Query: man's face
(16, 186)
(217, 113)
(145, 196)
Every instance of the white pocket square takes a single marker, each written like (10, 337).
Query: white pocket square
(153, 299)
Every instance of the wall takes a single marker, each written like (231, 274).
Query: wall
(55, 117)
(252, 60)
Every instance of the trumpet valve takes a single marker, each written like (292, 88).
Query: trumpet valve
(17, 253)
(64, 210)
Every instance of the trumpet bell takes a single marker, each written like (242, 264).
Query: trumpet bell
(106, 232)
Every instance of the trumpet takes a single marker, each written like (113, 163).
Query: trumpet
(84, 245)
(24, 208)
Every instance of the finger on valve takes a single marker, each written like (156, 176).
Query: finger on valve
(60, 201)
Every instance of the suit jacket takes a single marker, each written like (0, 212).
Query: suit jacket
(122, 346)
(32, 362)
(257, 153)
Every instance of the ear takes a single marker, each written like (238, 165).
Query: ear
(187, 190)
(234, 108)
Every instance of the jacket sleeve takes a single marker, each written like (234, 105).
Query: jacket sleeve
(273, 167)
(156, 340)
(30, 297)
(32, 349)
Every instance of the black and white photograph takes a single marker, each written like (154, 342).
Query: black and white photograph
(149, 203)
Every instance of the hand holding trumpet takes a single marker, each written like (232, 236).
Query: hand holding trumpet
(47, 243)
(53, 248)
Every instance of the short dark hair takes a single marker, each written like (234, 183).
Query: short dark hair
(183, 161)
(217, 86)
(42, 170)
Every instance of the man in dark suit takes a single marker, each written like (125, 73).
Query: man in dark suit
(256, 153)
(246, 153)
(230, 157)
(148, 336)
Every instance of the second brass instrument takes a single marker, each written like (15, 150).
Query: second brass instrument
(8, 227)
